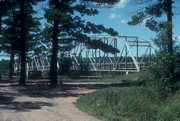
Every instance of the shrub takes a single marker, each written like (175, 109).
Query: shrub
(84, 68)
(164, 82)
(35, 75)
(65, 65)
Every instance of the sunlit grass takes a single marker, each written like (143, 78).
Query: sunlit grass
(131, 104)
(113, 78)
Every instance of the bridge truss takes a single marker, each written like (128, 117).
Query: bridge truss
(134, 55)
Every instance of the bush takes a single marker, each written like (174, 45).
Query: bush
(84, 68)
(164, 82)
(4, 67)
(65, 65)
(35, 75)
(74, 74)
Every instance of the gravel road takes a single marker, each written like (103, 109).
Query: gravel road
(15, 106)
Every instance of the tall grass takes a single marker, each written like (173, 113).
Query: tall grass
(130, 104)
(115, 78)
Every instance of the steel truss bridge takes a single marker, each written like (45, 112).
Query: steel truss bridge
(134, 55)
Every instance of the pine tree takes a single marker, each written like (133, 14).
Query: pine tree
(164, 39)
(61, 16)
(10, 39)
(26, 26)
(5, 6)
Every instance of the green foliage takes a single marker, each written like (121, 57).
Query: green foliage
(98, 44)
(161, 77)
(138, 19)
(4, 67)
(84, 68)
(74, 26)
(169, 112)
(112, 77)
(65, 64)
(177, 67)
(161, 41)
(130, 104)
(156, 10)
(104, 1)
(57, 15)
(11, 34)
(164, 69)
(35, 75)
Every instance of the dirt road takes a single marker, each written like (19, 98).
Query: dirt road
(15, 106)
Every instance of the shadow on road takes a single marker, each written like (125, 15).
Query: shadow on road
(22, 106)
(77, 89)
(71, 89)
(8, 101)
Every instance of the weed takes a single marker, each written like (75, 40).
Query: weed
(130, 104)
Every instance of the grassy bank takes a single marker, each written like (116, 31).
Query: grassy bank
(131, 104)
(114, 78)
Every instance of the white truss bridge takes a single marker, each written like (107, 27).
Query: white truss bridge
(134, 55)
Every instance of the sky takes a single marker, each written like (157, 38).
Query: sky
(118, 16)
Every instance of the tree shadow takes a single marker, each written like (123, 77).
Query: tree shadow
(8, 102)
(70, 88)
(6, 81)
(22, 106)
(95, 86)
(3, 86)
(74, 89)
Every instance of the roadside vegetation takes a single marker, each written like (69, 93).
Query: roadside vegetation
(111, 77)
(131, 104)
(42, 87)
(159, 98)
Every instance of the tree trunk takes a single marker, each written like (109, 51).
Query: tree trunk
(19, 62)
(0, 23)
(53, 67)
(23, 43)
(170, 39)
(11, 66)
